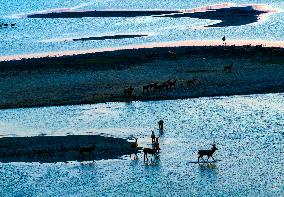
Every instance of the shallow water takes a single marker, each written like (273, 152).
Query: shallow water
(42, 35)
(248, 131)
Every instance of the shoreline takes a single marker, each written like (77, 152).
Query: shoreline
(170, 44)
(102, 77)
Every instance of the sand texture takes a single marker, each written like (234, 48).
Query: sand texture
(102, 77)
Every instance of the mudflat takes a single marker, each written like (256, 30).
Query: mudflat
(103, 76)
(50, 149)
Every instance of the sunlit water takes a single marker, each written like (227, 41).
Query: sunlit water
(248, 131)
(48, 35)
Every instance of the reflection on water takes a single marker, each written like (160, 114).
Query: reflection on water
(248, 131)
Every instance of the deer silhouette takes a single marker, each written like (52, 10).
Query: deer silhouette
(146, 89)
(127, 92)
(209, 153)
(150, 151)
(161, 124)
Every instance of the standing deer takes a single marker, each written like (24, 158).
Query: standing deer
(150, 151)
(133, 148)
(161, 124)
(209, 153)
(146, 88)
(224, 40)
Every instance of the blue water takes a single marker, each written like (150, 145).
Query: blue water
(42, 35)
(248, 131)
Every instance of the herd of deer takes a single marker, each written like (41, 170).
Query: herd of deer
(159, 87)
(167, 85)
(151, 151)
(154, 151)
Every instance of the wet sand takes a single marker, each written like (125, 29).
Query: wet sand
(102, 77)
(50, 149)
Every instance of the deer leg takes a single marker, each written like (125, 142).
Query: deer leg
(213, 158)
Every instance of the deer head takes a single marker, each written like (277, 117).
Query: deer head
(214, 147)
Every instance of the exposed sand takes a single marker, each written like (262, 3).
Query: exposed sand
(49, 149)
(101, 77)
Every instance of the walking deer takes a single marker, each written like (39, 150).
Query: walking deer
(127, 92)
(208, 153)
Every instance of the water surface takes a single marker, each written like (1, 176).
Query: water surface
(248, 131)
(30, 34)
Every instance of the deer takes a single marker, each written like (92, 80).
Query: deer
(127, 92)
(89, 150)
(133, 148)
(191, 82)
(224, 40)
(146, 88)
(152, 85)
(150, 151)
(228, 69)
(209, 153)
(159, 88)
(172, 84)
(161, 124)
